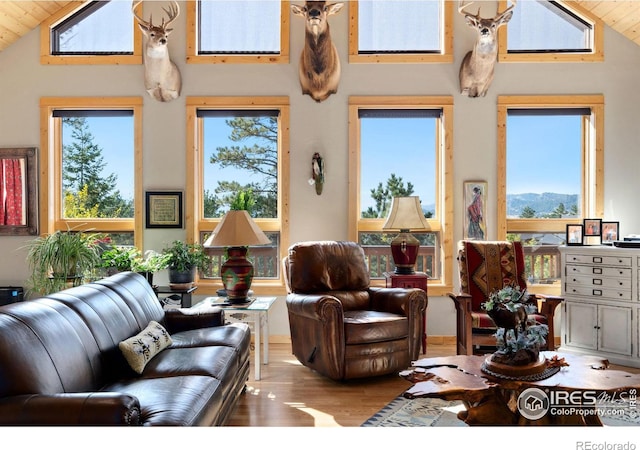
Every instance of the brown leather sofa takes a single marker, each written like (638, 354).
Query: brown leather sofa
(60, 363)
(342, 327)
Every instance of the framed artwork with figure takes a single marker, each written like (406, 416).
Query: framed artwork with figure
(475, 226)
(575, 234)
(610, 231)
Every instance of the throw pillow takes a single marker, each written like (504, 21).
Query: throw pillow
(138, 350)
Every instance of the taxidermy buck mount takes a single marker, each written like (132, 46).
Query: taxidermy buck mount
(162, 78)
(476, 70)
(319, 68)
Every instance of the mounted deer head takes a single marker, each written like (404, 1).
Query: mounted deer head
(319, 69)
(476, 70)
(161, 76)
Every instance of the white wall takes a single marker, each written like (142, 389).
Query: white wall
(323, 127)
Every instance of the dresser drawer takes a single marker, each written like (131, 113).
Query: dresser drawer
(623, 261)
(593, 292)
(598, 282)
(573, 269)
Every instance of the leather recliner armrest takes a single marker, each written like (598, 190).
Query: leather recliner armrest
(183, 319)
(398, 300)
(313, 306)
(73, 409)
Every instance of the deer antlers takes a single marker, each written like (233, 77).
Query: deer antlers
(462, 6)
(172, 12)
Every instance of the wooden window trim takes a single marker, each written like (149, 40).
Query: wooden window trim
(595, 55)
(195, 222)
(443, 224)
(446, 55)
(51, 218)
(592, 165)
(45, 43)
(192, 42)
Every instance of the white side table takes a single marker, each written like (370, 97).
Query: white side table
(256, 315)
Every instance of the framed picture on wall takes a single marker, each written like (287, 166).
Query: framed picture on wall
(610, 232)
(164, 209)
(575, 234)
(475, 213)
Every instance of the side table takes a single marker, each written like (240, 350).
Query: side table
(408, 281)
(183, 293)
(255, 314)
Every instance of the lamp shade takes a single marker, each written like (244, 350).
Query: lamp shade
(236, 229)
(406, 214)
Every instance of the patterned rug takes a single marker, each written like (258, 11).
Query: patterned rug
(434, 412)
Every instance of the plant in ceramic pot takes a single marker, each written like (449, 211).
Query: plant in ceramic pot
(61, 259)
(183, 261)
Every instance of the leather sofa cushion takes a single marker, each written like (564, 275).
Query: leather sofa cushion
(189, 400)
(362, 327)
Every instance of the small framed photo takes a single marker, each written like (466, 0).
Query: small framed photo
(592, 227)
(164, 209)
(610, 231)
(575, 234)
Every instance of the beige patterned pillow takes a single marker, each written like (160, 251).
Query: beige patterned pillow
(138, 350)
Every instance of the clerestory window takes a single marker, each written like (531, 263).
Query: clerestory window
(388, 31)
(97, 32)
(542, 30)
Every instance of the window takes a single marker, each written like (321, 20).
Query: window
(390, 31)
(98, 32)
(551, 31)
(92, 159)
(561, 136)
(402, 146)
(239, 146)
(238, 31)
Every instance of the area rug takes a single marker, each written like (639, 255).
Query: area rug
(434, 412)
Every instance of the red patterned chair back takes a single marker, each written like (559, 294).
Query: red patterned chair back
(487, 266)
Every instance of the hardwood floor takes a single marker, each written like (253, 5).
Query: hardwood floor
(291, 395)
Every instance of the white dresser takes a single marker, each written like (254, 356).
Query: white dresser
(602, 302)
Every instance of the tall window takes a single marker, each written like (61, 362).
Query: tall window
(97, 32)
(542, 30)
(239, 151)
(401, 147)
(238, 31)
(92, 157)
(551, 173)
(400, 31)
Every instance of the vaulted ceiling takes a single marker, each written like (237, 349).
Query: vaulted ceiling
(17, 18)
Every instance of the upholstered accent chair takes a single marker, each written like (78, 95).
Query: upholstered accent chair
(485, 267)
(341, 327)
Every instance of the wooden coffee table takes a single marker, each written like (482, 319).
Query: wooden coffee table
(574, 395)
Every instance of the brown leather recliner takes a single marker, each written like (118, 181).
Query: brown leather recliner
(340, 326)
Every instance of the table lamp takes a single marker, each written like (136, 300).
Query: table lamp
(406, 214)
(237, 231)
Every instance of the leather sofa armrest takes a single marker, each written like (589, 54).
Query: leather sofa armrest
(82, 408)
(406, 302)
(313, 306)
(183, 319)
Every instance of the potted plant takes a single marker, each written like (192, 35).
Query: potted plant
(118, 258)
(61, 259)
(149, 264)
(183, 261)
